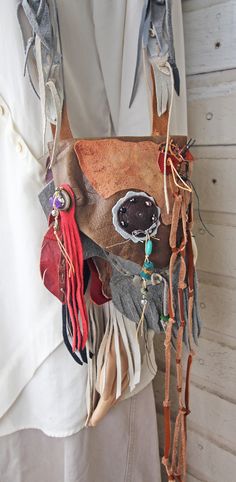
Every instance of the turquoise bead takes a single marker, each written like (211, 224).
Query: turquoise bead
(148, 265)
(147, 270)
(148, 247)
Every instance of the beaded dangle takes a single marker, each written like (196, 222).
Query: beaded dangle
(146, 275)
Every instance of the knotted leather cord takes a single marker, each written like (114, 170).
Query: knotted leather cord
(185, 410)
(191, 270)
(179, 439)
(176, 470)
(178, 208)
(167, 343)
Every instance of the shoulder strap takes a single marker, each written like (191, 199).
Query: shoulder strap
(159, 123)
(65, 132)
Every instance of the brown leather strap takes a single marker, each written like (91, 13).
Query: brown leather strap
(159, 124)
(65, 132)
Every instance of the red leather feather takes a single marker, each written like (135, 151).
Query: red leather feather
(52, 266)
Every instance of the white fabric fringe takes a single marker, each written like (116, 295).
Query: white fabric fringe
(108, 328)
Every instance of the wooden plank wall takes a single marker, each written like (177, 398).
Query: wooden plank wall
(210, 43)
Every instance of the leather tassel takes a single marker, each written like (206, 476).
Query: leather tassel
(80, 357)
(65, 227)
(117, 361)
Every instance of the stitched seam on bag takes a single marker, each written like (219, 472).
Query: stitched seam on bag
(131, 442)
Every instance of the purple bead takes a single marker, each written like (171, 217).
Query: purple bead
(51, 199)
(59, 203)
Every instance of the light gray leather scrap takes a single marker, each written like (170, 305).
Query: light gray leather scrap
(42, 19)
(44, 197)
(156, 36)
(127, 298)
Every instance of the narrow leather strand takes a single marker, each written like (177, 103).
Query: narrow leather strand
(167, 343)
